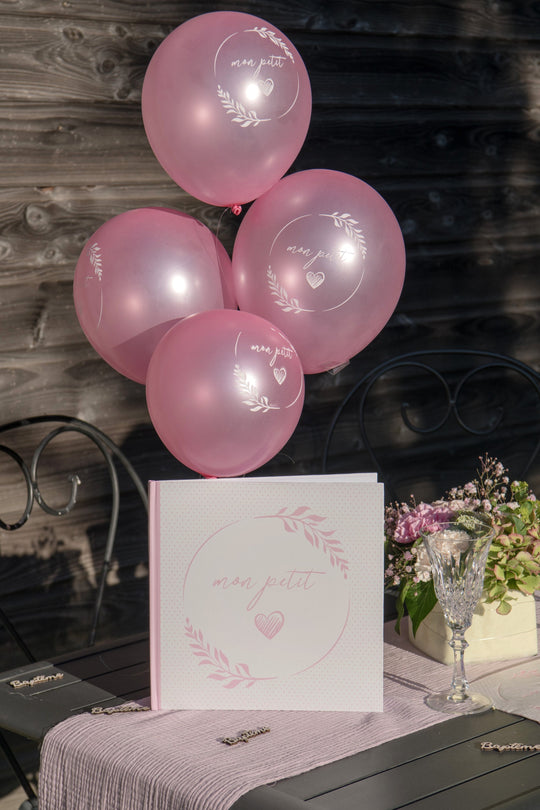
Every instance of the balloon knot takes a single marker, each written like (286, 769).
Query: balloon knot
(236, 209)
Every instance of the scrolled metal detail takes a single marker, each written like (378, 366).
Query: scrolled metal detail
(73, 478)
(453, 382)
(111, 453)
(10, 527)
(460, 386)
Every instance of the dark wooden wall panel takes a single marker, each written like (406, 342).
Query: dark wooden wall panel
(436, 104)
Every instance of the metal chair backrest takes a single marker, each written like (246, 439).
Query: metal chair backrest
(29, 476)
(113, 459)
(421, 420)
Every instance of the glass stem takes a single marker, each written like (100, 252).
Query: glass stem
(460, 685)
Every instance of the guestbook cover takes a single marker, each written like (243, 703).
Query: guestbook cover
(267, 593)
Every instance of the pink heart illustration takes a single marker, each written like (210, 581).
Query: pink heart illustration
(315, 279)
(269, 625)
(280, 374)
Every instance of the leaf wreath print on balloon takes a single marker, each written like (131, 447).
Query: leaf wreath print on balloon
(94, 257)
(95, 260)
(254, 89)
(241, 116)
(273, 37)
(140, 273)
(225, 391)
(282, 299)
(317, 278)
(348, 223)
(245, 73)
(320, 255)
(232, 106)
(255, 401)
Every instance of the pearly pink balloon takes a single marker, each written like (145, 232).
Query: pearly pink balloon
(321, 256)
(226, 105)
(141, 272)
(225, 391)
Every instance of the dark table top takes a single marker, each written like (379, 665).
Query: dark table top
(439, 768)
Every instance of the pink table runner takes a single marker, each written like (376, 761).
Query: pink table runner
(175, 760)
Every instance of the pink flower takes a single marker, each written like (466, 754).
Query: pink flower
(423, 518)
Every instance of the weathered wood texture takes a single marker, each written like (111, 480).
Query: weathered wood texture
(437, 105)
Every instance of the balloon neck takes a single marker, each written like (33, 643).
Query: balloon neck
(236, 209)
(339, 368)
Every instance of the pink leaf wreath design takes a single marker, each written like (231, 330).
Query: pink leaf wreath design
(324, 540)
(230, 675)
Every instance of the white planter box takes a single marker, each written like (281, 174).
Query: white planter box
(491, 637)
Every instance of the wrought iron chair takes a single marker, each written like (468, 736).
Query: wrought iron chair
(115, 461)
(421, 420)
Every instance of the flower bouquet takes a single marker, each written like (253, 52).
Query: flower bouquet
(513, 564)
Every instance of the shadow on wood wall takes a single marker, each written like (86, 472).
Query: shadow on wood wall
(436, 105)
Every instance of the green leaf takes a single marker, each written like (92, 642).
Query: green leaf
(503, 609)
(420, 600)
(520, 490)
(519, 524)
(499, 573)
(497, 591)
(529, 584)
(400, 606)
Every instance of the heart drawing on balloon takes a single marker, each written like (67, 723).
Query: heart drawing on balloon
(266, 86)
(280, 375)
(269, 625)
(315, 279)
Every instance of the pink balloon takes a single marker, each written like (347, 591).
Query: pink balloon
(138, 274)
(225, 391)
(226, 105)
(321, 256)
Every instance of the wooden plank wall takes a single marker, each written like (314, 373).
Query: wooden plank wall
(435, 104)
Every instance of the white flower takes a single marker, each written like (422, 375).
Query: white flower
(457, 505)
(422, 565)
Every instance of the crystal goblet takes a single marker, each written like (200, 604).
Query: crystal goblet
(458, 554)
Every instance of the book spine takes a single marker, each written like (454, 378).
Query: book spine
(154, 554)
